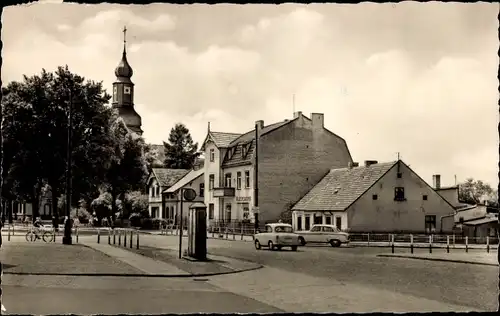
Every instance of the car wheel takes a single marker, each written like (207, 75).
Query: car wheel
(294, 248)
(257, 245)
(335, 243)
(302, 241)
(270, 245)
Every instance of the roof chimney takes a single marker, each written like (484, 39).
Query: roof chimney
(352, 164)
(368, 163)
(259, 125)
(297, 114)
(436, 181)
(318, 120)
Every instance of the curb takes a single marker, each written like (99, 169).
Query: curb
(135, 275)
(440, 259)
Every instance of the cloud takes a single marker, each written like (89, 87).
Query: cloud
(386, 79)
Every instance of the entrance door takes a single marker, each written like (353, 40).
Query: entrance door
(299, 222)
(307, 225)
(338, 222)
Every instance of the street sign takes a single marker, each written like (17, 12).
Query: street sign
(189, 195)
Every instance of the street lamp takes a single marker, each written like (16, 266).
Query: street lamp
(67, 240)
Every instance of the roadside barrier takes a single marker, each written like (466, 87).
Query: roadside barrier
(123, 232)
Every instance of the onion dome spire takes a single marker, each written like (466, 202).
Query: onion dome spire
(123, 69)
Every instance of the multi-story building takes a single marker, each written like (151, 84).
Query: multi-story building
(292, 156)
(159, 180)
(376, 197)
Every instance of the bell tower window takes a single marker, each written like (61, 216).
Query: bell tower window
(115, 93)
(126, 90)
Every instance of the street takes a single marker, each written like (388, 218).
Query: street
(468, 285)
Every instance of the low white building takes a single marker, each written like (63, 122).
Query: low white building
(159, 180)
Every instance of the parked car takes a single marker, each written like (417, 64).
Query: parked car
(324, 234)
(277, 236)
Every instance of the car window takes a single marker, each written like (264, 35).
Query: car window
(316, 229)
(327, 229)
(283, 229)
(269, 229)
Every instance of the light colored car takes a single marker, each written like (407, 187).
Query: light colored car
(277, 236)
(324, 234)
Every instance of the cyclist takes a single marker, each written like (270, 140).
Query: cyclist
(37, 225)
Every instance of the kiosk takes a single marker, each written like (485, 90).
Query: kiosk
(197, 231)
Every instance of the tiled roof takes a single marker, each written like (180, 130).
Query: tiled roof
(190, 176)
(222, 140)
(481, 221)
(341, 187)
(167, 177)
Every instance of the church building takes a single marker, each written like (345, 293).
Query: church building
(123, 93)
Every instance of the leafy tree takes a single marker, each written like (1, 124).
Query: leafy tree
(36, 116)
(127, 170)
(476, 191)
(180, 151)
(152, 155)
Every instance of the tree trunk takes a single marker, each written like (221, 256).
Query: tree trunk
(113, 205)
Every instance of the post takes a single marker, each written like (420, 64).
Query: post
(487, 244)
(76, 232)
(453, 241)
(430, 243)
(448, 244)
(368, 239)
(241, 231)
(109, 236)
(466, 243)
(124, 238)
(227, 233)
(411, 243)
(181, 224)
(137, 240)
(234, 236)
(256, 177)
(8, 233)
(67, 226)
(114, 236)
(119, 237)
(392, 242)
(131, 237)
(98, 235)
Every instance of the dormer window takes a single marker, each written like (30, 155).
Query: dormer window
(126, 90)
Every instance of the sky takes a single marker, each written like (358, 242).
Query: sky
(415, 78)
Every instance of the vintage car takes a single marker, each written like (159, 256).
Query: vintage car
(323, 234)
(277, 236)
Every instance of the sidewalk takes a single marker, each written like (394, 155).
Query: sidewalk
(481, 258)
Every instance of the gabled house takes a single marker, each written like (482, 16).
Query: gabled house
(293, 155)
(375, 197)
(172, 196)
(160, 179)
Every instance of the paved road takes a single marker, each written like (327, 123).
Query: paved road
(461, 284)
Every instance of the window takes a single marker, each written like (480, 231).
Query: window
(126, 90)
(430, 223)
(400, 175)
(299, 222)
(338, 222)
(328, 220)
(212, 155)
(228, 180)
(246, 211)
(399, 194)
(327, 229)
(318, 219)
(157, 191)
(228, 212)
(307, 223)
(211, 181)
(461, 219)
(424, 197)
(269, 229)
(154, 212)
(202, 189)
(238, 180)
(211, 208)
(375, 197)
(152, 191)
(247, 179)
(316, 229)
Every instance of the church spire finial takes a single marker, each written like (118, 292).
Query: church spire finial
(124, 39)
(209, 127)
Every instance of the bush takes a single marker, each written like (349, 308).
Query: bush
(147, 223)
(83, 215)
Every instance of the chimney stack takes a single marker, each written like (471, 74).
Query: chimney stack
(259, 125)
(318, 121)
(297, 114)
(436, 180)
(352, 165)
(368, 163)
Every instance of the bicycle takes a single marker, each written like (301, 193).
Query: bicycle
(32, 235)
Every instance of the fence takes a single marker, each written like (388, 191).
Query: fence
(117, 235)
(11, 231)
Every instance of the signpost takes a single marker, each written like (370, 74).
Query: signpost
(189, 195)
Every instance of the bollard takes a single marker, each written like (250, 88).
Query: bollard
(241, 232)
(430, 243)
(368, 239)
(76, 233)
(392, 242)
(411, 243)
(448, 244)
(466, 243)
(109, 236)
(125, 238)
(137, 246)
(234, 235)
(453, 241)
(131, 236)
(227, 233)
(8, 233)
(119, 237)
(114, 236)
(488, 244)
(98, 236)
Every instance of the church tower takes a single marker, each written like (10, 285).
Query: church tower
(123, 92)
